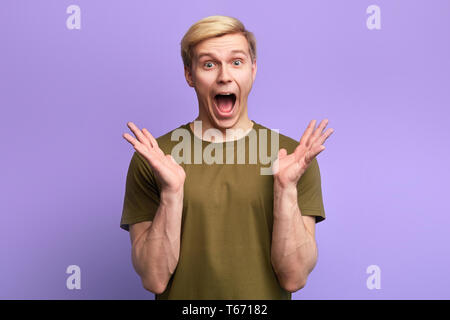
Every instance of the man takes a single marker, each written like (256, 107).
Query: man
(215, 230)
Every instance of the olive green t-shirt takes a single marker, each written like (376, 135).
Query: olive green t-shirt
(227, 217)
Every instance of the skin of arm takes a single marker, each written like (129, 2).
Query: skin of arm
(156, 249)
(294, 249)
(156, 244)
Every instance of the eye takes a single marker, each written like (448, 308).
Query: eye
(238, 61)
(208, 63)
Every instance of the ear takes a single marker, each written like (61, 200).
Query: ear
(254, 68)
(188, 76)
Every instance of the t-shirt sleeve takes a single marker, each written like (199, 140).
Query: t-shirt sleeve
(309, 191)
(142, 193)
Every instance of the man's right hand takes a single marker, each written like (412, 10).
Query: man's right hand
(169, 173)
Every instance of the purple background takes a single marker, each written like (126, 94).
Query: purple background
(66, 95)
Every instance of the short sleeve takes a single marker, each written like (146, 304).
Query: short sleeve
(309, 190)
(142, 195)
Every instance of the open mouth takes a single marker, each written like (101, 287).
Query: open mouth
(225, 103)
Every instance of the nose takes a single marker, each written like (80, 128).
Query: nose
(224, 75)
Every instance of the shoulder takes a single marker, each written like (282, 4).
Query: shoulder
(165, 141)
(285, 141)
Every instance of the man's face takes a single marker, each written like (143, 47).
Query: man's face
(222, 65)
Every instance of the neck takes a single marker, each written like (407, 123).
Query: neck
(202, 130)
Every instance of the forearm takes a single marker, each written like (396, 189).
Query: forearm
(293, 251)
(157, 252)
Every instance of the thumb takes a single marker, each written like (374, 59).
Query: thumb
(282, 153)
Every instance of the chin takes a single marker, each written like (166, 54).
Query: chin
(225, 122)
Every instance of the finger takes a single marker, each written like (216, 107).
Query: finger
(153, 141)
(318, 147)
(130, 139)
(138, 133)
(150, 155)
(316, 134)
(325, 136)
(311, 154)
(298, 152)
(307, 134)
(316, 152)
(139, 147)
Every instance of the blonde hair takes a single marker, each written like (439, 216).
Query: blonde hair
(210, 27)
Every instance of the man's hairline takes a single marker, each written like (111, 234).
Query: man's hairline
(196, 58)
(234, 51)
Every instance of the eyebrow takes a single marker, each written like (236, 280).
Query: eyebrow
(211, 55)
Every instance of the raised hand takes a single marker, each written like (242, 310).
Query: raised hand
(170, 174)
(291, 167)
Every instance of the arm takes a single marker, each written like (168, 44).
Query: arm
(156, 244)
(294, 249)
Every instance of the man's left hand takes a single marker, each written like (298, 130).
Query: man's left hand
(289, 168)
